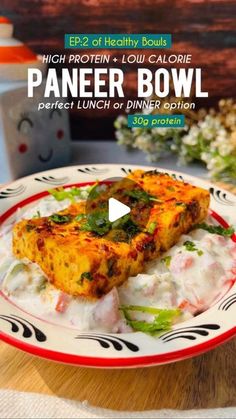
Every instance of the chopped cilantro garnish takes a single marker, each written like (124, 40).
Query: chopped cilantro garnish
(37, 215)
(80, 217)
(60, 219)
(131, 228)
(86, 275)
(118, 236)
(140, 195)
(75, 191)
(29, 227)
(127, 225)
(191, 247)
(97, 222)
(43, 283)
(118, 224)
(60, 193)
(95, 190)
(180, 204)
(227, 232)
(166, 260)
(163, 319)
(152, 227)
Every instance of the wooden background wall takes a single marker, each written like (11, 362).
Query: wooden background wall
(204, 28)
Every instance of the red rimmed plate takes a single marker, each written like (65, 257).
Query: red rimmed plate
(64, 344)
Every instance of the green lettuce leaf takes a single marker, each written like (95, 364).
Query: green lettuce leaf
(162, 322)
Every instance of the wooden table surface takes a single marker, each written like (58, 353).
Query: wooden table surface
(207, 381)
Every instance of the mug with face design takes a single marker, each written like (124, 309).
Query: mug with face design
(30, 140)
(33, 140)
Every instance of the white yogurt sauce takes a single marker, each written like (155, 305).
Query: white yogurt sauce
(189, 279)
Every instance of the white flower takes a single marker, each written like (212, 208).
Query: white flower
(190, 140)
(209, 127)
(144, 142)
(222, 144)
(225, 149)
(208, 141)
(174, 147)
(192, 137)
(120, 122)
(194, 131)
(206, 156)
(184, 151)
(221, 134)
(216, 165)
(208, 133)
(161, 131)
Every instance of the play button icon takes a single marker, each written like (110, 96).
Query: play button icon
(116, 209)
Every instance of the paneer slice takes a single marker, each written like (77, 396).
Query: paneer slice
(82, 263)
(181, 206)
(75, 261)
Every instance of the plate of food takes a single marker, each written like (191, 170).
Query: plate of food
(153, 286)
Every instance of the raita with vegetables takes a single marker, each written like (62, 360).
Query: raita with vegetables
(161, 264)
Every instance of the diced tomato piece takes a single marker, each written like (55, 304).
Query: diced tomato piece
(62, 302)
(220, 239)
(186, 305)
(233, 270)
(106, 312)
(181, 262)
(233, 251)
(230, 282)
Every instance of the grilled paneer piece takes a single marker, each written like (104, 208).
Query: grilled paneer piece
(79, 261)
(181, 205)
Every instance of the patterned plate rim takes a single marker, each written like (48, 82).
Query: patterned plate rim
(222, 198)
